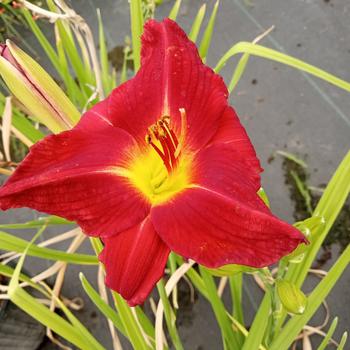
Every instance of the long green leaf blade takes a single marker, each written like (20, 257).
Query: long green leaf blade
(106, 76)
(197, 23)
(16, 244)
(101, 305)
(175, 10)
(206, 40)
(129, 323)
(329, 334)
(343, 341)
(48, 220)
(45, 44)
(257, 330)
(219, 309)
(22, 124)
(264, 52)
(136, 31)
(43, 314)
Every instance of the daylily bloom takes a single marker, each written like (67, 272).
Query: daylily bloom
(162, 164)
(35, 89)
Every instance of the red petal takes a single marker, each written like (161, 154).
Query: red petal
(215, 230)
(231, 132)
(134, 261)
(221, 168)
(75, 175)
(172, 76)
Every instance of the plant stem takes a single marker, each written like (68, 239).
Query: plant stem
(275, 302)
(236, 284)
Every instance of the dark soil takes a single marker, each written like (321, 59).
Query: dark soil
(187, 297)
(2, 302)
(116, 57)
(340, 232)
(17, 149)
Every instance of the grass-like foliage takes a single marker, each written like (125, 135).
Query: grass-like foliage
(86, 77)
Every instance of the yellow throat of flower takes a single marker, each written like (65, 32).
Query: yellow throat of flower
(164, 169)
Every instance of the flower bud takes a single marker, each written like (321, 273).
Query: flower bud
(292, 298)
(309, 229)
(35, 89)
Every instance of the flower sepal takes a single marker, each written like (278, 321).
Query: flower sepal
(231, 269)
(308, 228)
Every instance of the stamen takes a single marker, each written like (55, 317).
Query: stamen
(183, 131)
(164, 159)
(166, 124)
(162, 133)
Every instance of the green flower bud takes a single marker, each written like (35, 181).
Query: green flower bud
(292, 298)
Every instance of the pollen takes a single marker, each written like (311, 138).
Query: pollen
(163, 169)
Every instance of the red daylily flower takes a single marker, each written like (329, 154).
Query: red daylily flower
(162, 164)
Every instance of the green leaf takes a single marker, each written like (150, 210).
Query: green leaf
(136, 31)
(45, 44)
(262, 194)
(75, 333)
(303, 190)
(264, 52)
(129, 323)
(236, 287)
(23, 125)
(84, 75)
(329, 334)
(328, 208)
(175, 10)
(343, 341)
(73, 90)
(292, 157)
(48, 220)
(124, 71)
(19, 245)
(8, 271)
(101, 304)
(51, 320)
(257, 330)
(147, 325)
(293, 327)
(208, 33)
(219, 310)
(106, 76)
(197, 23)
(238, 72)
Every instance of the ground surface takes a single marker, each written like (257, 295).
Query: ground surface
(282, 109)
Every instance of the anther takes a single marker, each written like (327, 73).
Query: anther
(161, 134)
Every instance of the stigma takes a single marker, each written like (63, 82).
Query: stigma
(164, 141)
